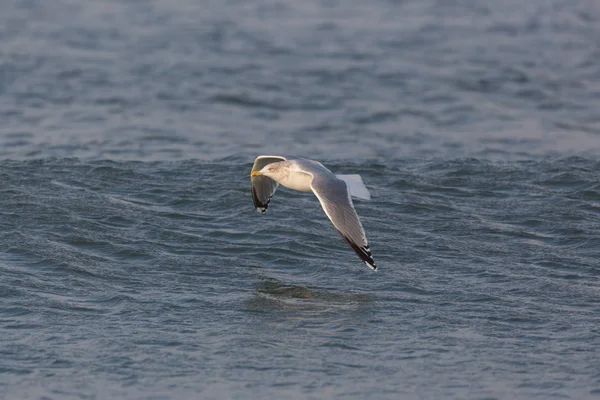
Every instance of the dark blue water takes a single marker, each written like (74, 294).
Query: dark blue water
(133, 264)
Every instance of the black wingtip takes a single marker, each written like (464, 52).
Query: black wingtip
(364, 252)
(371, 264)
(260, 206)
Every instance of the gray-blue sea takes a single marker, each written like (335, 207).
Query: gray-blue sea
(133, 264)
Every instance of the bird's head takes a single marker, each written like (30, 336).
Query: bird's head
(273, 170)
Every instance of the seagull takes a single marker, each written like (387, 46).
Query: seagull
(333, 191)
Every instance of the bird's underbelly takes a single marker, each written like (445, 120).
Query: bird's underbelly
(298, 181)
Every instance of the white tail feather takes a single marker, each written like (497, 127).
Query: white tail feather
(356, 187)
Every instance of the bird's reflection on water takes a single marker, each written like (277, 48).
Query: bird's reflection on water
(271, 294)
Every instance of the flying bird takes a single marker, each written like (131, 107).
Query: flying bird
(333, 191)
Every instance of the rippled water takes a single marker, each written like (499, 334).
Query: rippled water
(132, 262)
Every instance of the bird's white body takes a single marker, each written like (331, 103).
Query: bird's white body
(293, 179)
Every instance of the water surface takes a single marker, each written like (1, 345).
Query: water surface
(132, 263)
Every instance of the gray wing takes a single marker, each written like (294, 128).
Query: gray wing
(263, 187)
(337, 204)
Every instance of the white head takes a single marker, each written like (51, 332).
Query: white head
(276, 171)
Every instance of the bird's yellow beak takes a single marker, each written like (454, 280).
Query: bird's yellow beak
(256, 173)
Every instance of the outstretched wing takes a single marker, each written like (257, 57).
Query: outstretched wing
(337, 204)
(263, 187)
